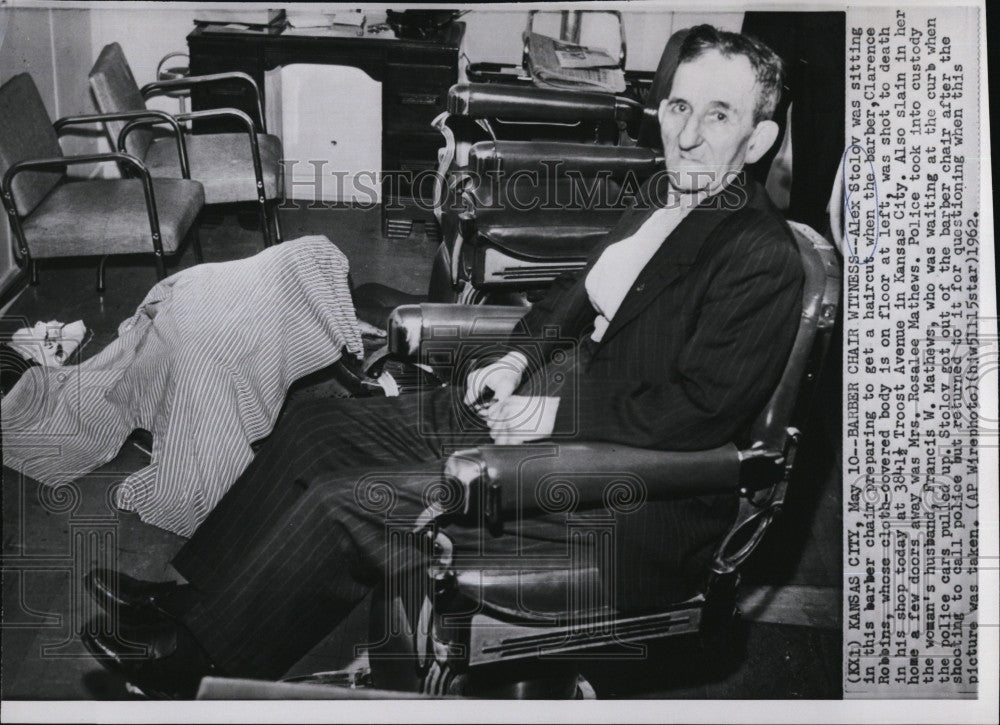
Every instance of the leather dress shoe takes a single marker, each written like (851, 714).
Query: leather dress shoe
(163, 661)
(138, 601)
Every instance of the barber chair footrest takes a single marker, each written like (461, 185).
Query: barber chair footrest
(349, 678)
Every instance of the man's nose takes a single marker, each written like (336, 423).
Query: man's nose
(690, 135)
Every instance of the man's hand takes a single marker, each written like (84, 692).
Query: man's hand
(522, 418)
(501, 377)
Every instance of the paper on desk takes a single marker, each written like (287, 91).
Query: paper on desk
(547, 71)
(302, 21)
(350, 17)
(337, 31)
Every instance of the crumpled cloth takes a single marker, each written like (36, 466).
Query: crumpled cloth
(204, 365)
(48, 343)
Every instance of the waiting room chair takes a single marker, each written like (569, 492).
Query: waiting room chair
(515, 214)
(52, 216)
(482, 625)
(233, 167)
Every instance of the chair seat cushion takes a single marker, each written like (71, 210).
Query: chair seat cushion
(537, 595)
(553, 596)
(222, 162)
(544, 222)
(108, 216)
(543, 244)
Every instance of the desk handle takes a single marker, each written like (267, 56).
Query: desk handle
(419, 99)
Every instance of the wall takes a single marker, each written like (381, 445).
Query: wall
(493, 33)
(54, 47)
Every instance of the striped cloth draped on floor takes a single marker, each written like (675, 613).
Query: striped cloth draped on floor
(204, 364)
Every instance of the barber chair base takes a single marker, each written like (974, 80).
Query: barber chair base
(469, 292)
(546, 681)
(494, 657)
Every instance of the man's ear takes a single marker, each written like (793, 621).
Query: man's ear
(661, 111)
(761, 140)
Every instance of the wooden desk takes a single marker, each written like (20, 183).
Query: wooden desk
(415, 77)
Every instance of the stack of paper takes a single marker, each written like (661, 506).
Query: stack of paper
(250, 18)
(301, 21)
(558, 64)
(353, 18)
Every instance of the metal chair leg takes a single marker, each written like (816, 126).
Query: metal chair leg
(100, 274)
(275, 207)
(161, 270)
(33, 272)
(265, 225)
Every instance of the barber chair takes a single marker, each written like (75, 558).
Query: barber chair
(514, 214)
(516, 628)
(516, 203)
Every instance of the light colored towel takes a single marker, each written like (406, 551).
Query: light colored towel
(204, 364)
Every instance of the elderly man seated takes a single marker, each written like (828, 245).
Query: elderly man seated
(684, 317)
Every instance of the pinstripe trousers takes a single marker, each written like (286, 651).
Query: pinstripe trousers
(305, 532)
(302, 536)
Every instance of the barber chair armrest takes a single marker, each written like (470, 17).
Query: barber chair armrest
(514, 103)
(508, 481)
(412, 325)
(554, 157)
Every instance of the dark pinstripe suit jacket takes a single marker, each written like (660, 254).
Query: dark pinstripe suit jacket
(700, 340)
(690, 358)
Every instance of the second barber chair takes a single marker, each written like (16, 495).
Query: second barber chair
(515, 214)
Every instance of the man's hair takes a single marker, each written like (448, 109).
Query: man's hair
(766, 64)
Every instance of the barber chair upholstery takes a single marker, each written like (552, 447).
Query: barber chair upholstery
(233, 167)
(516, 203)
(478, 618)
(514, 214)
(52, 216)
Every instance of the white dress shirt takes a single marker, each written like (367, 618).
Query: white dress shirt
(619, 265)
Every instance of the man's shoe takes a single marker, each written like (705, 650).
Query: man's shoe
(171, 667)
(137, 601)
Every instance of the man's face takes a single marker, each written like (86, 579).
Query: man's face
(706, 123)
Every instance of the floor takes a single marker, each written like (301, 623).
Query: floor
(786, 646)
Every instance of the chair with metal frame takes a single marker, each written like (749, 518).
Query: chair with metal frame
(51, 216)
(478, 618)
(233, 167)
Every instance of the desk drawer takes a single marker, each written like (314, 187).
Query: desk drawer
(411, 111)
(413, 158)
(414, 94)
(420, 77)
